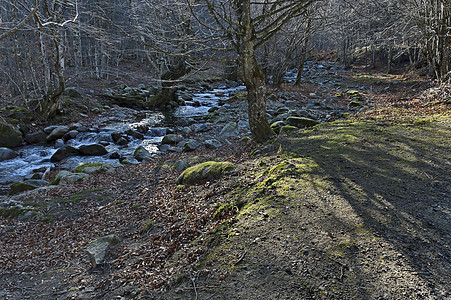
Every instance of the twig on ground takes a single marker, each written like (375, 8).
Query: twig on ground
(241, 258)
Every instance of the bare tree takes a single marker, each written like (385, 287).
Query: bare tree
(248, 25)
(433, 20)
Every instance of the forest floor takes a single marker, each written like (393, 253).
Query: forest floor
(357, 208)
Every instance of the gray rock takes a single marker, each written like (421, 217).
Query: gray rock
(302, 113)
(301, 122)
(181, 165)
(70, 135)
(36, 137)
(72, 178)
(142, 154)
(93, 168)
(57, 133)
(59, 143)
(230, 129)
(37, 175)
(92, 150)
(212, 144)
(122, 141)
(175, 149)
(172, 139)
(37, 182)
(82, 128)
(50, 128)
(10, 137)
(63, 152)
(129, 161)
(201, 128)
(191, 144)
(72, 92)
(6, 153)
(97, 249)
(135, 134)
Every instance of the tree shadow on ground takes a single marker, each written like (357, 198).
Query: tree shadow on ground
(396, 180)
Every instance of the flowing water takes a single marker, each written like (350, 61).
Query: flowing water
(32, 157)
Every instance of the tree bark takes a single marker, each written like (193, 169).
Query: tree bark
(252, 75)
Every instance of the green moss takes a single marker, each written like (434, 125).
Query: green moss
(205, 171)
(421, 121)
(14, 121)
(287, 129)
(147, 226)
(80, 168)
(19, 187)
(355, 103)
(12, 212)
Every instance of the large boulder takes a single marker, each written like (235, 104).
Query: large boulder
(142, 154)
(36, 137)
(209, 170)
(57, 133)
(92, 150)
(6, 153)
(301, 122)
(63, 152)
(10, 137)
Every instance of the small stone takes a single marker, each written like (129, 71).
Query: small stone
(212, 144)
(181, 165)
(98, 248)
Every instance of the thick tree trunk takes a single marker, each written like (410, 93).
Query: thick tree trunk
(251, 74)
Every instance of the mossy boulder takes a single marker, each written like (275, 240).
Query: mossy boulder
(92, 168)
(301, 122)
(287, 128)
(209, 170)
(353, 94)
(277, 125)
(172, 139)
(10, 137)
(20, 187)
(21, 113)
(354, 103)
(67, 177)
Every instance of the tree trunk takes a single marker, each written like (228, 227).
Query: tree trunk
(51, 105)
(251, 74)
(301, 62)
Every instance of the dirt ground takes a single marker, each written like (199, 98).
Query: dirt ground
(353, 209)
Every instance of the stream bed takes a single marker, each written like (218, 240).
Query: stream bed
(119, 119)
